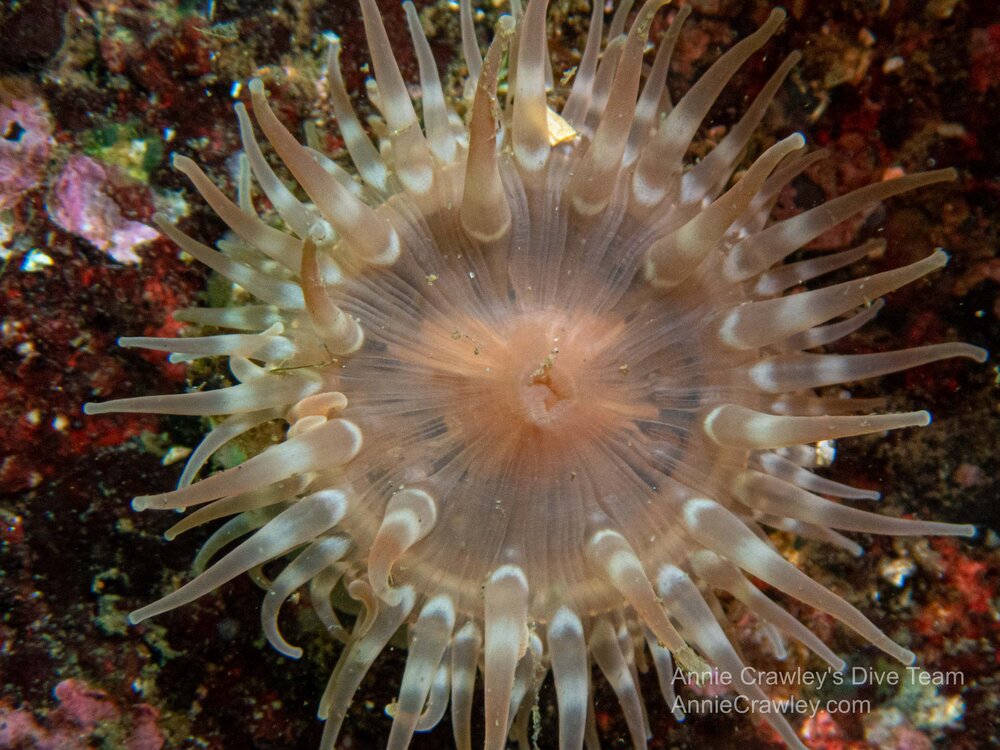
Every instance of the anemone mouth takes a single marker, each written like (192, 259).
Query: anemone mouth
(542, 381)
(526, 382)
(545, 390)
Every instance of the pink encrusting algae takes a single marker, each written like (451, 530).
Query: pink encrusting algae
(81, 711)
(25, 142)
(81, 202)
(544, 385)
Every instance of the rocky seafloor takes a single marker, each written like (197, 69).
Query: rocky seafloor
(94, 98)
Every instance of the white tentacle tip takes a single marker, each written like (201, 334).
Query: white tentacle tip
(655, 278)
(588, 208)
(487, 237)
(695, 509)
(143, 502)
(531, 160)
(334, 502)
(390, 252)
(644, 193)
(355, 438)
(668, 578)
(978, 353)
(182, 164)
(939, 258)
(391, 595)
(509, 572)
(565, 622)
(709, 424)
(321, 233)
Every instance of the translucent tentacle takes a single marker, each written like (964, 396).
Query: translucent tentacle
(293, 213)
(330, 444)
(470, 44)
(437, 700)
(572, 676)
(685, 602)
(594, 178)
(720, 531)
(737, 426)
(485, 212)
(712, 171)
(266, 288)
(363, 153)
(439, 135)
(660, 164)
(465, 651)
(303, 521)
(726, 576)
(762, 250)
(793, 372)
(772, 495)
(428, 642)
(313, 559)
(757, 324)
(410, 152)
(608, 655)
(784, 277)
(650, 105)
(672, 260)
(530, 128)
(578, 101)
(274, 243)
(368, 234)
(355, 662)
(506, 618)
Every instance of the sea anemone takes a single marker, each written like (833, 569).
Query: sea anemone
(545, 386)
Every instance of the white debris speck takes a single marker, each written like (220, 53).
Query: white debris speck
(892, 64)
(897, 570)
(826, 451)
(35, 261)
(175, 454)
